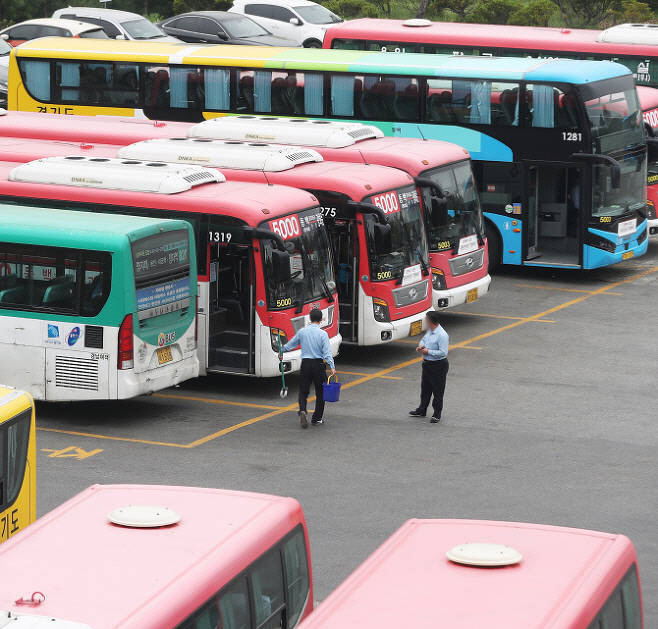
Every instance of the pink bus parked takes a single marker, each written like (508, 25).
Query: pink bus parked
(153, 557)
(469, 574)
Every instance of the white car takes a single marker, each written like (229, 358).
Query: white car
(302, 21)
(117, 24)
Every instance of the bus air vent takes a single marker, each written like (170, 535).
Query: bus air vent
(484, 555)
(30, 621)
(114, 174)
(417, 22)
(76, 373)
(94, 336)
(143, 516)
(298, 131)
(222, 154)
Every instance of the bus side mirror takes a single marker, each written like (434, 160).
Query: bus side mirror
(615, 169)
(382, 238)
(280, 266)
(652, 149)
(438, 212)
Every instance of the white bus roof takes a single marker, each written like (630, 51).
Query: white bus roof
(221, 153)
(303, 131)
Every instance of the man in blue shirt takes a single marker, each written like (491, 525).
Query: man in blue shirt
(316, 350)
(434, 348)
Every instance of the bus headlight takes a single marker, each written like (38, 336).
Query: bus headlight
(651, 210)
(438, 279)
(380, 310)
(600, 243)
(275, 336)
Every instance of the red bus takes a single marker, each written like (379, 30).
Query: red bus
(633, 45)
(471, 574)
(457, 276)
(372, 214)
(249, 295)
(155, 557)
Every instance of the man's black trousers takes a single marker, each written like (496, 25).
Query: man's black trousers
(433, 382)
(313, 371)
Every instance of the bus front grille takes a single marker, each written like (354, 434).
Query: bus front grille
(76, 373)
(411, 294)
(467, 263)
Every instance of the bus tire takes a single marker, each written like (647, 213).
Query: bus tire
(494, 245)
(312, 43)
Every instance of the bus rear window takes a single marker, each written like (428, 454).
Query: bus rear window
(14, 439)
(161, 264)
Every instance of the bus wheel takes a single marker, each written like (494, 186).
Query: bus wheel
(312, 43)
(494, 246)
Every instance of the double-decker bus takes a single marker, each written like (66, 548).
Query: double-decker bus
(633, 45)
(473, 574)
(249, 293)
(559, 145)
(156, 557)
(95, 306)
(372, 214)
(18, 461)
(457, 277)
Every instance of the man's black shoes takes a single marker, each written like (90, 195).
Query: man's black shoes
(435, 420)
(317, 422)
(302, 419)
(417, 413)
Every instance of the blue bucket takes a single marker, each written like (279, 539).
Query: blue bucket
(331, 390)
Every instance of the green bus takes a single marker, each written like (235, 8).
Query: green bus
(95, 306)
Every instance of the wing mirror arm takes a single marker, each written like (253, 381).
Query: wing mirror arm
(265, 234)
(368, 208)
(615, 168)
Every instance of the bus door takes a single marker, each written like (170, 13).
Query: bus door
(552, 224)
(231, 307)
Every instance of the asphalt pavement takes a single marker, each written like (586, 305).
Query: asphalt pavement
(549, 417)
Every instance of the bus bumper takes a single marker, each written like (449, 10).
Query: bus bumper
(458, 295)
(376, 333)
(653, 226)
(292, 361)
(633, 247)
(131, 384)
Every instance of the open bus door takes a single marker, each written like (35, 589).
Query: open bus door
(231, 307)
(553, 202)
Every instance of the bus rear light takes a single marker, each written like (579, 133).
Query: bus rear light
(126, 357)
(438, 279)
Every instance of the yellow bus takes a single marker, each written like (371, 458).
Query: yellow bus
(18, 459)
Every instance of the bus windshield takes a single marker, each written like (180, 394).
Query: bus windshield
(162, 273)
(615, 120)
(462, 215)
(609, 201)
(311, 265)
(408, 240)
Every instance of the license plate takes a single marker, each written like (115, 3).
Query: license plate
(416, 328)
(164, 355)
(472, 295)
(627, 254)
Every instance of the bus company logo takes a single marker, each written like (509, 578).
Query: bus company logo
(388, 202)
(288, 227)
(85, 180)
(413, 293)
(469, 262)
(193, 158)
(73, 336)
(53, 331)
(257, 136)
(163, 338)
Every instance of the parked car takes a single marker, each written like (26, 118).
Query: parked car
(5, 49)
(48, 27)
(116, 24)
(303, 21)
(220, 27)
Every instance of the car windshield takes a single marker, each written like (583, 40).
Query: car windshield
(462, 215)
(97, 33)
(408, 240)
(5, 48)
(317, 14)
(311, 264)
(142, 29)
(240, 26)
(615, 120)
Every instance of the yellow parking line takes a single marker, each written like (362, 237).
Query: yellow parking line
(469, 347)
(360, 373)
(566, 290)
(210, 400)
(373, 376)
(496, 316)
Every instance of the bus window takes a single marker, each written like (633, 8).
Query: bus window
(234, 606)
(630, 594)
(297, 577)
(549, 107)
(14, 439)
(390, 98)
(267, 588)
(36, 76)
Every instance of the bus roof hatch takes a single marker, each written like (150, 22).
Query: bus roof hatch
(115, 174)
(320, 133)
(221, 153)
(31, 621)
